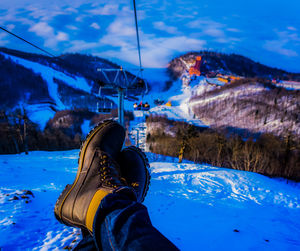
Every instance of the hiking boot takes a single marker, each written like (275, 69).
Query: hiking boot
(98, 175)
(135, 170)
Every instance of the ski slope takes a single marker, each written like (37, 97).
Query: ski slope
(179, 95)
(41, 113)
(195, 206)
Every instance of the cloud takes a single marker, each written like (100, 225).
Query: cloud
(71, 10)
(61, 36)
(233, 30)
(2, 41)
(177, 30)
(122, 27)
(208, 27)
(156, 51)
(80, 45)
(71, 27)
(95, 26)
(277, 46)
(45, 31)
(180, 44)
(80, 18)
(10, 27)
(44, 13)
(285, 39)
(42, 29)
(216, 31)
(120, 33)
(163, 27)
(291, 28)
(106, 10)
(13, 16)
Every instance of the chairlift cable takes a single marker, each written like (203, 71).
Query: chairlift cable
(137, 36)
(24, 40)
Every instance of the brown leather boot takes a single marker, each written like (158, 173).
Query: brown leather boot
(135, 170)
(98, 175)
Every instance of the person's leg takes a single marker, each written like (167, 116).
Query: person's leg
(86, 244)
(105, 196)
(121, 223)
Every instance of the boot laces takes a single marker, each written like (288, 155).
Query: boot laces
(109, 172)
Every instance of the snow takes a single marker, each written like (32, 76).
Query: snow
(290, 85)
(179, 96)
(48, 73)
(41, 113)
(32, 225)
(195, 206)
(219, 201)
(240, 91)
(138, 133)
(85, 127)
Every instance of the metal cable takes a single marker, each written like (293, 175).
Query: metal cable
(137, 35)
(24, 40)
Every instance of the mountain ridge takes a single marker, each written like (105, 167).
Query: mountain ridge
(229, 64)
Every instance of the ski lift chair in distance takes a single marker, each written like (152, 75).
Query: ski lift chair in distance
(146, 107)
(105, 110)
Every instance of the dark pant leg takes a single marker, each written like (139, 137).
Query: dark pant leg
(86, 244)
(121, 223)
(124, 224)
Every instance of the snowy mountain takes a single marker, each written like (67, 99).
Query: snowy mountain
(228, 64)
(251, 104)
(247, 124)
(44, 85)
(194, 205)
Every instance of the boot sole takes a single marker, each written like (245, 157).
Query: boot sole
(146, 166)
(67, 190)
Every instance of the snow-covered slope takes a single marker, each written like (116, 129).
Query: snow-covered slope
(195, 206)
(49, 73)
(250, 106)
(40, 114)
(255, 106)
(178, 95)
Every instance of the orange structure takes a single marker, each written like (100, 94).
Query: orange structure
(195, 70)
(224, 80)
(169, 103)
(227, 78)
(234, 78)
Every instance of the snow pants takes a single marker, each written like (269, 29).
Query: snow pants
(123, 224)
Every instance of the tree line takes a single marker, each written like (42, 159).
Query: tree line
(62, 132)
(266, 154)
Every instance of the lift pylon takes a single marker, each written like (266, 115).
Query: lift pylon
(121, 81)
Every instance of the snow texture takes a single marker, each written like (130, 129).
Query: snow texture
(85, 127)
(195, 206)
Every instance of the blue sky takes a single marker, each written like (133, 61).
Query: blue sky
(264, 30)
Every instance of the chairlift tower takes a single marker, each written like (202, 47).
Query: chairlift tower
(121, 81)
